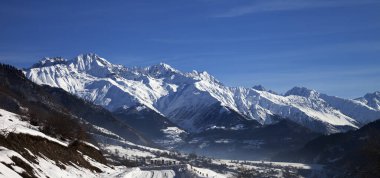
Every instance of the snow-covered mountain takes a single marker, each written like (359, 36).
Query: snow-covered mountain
(354, 109)
(196, 101)
(371, 99)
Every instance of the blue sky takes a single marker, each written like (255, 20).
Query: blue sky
(332, 46)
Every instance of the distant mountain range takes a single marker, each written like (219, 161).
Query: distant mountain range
(196, 101)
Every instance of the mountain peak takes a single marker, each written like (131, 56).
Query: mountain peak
(89, 55)
(204, 75)
(92, 64)
(302, 91)
(259, 87)
(262, 88)
(166, 67)
(375, 94)
(47, 61)
(90, 61)
(92, 57)
(161, 69)
(371, 99)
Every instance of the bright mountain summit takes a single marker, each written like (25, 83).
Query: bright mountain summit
(196, 101)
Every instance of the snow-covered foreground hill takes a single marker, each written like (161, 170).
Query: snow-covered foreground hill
(32, 160)
(29, 163)
(18, 164)
(196, 101)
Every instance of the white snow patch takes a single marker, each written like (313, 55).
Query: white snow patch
(203, 172)
(11, 122)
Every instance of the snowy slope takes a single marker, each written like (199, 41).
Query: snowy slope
(25, 163)
(187, 98)
(42, 166)
(371, 100)
(359, 111)
(12, 123)
(353, 108)
(137, 172)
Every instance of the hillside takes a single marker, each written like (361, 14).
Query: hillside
(27, 152)
(350, 154)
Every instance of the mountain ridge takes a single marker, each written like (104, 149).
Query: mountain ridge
(183, 97)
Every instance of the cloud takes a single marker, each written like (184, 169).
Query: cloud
(287, 5)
